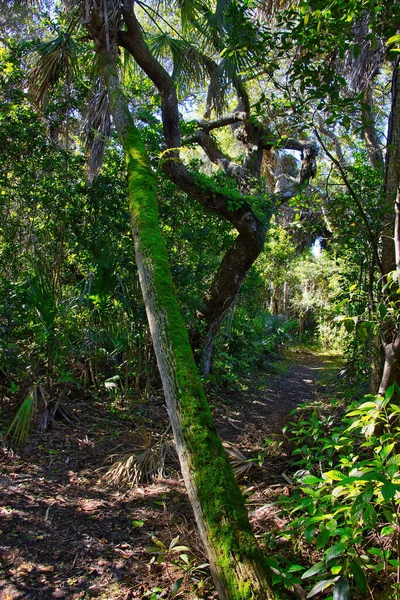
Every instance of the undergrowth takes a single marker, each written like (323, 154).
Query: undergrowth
(344, 509)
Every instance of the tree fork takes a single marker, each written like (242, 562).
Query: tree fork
(238, 566)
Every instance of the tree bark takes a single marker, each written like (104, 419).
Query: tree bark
(237, 564)
(391, 231)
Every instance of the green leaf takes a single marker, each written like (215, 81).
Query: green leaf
(370, 516)
(391, 470)
(314, 570)
(393, 40)
(362, 408)
(393, 460)
(376, 552)
(177, 549)
(335, 550)
(359, 577)
(386, 450)
(334, 475)
(388, 491)
(322, 538)
(388, 530)
(174, 542)
(294, 569)
(138, 523)
(382, 310)
(341, 589)
(331, 525)
(176, 585)
(309, 533)
(320, 587)
(310, 480)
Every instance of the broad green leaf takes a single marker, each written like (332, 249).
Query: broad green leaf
(294, 569)
(394, 562)
(390, 391)
(336, 569)
(359, 577)
(370, 516)
(361, 409)
(388, 530)
(386, 450)
(321, 586)
(388, 491)
(376, 552)
(322, 538)
(331, 525)
(393, 460)
(335, 550)
(309, 533)
(176, 585)
(319, 566)
(334, 475)
(341, 589)
(393, 40)
(310, 479)
(391, 470)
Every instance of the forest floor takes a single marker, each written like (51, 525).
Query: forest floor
(65, 533)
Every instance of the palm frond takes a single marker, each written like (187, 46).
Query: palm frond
(41, 295)
(241, 465)
(38, 411)
(189, 12)
(214, 26)
(142, 464)
(221, 11)
(53, 60)
(189, 63)
(22, 425)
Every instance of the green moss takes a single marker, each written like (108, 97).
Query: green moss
(219, 494)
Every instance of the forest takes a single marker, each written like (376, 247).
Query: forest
(199, 299)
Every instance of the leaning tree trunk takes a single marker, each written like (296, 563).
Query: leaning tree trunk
(238, 566)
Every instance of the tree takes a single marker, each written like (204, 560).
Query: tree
(364, 36)
(237, 565)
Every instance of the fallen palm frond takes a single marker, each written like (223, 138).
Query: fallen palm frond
(142, 464)
(241, 465)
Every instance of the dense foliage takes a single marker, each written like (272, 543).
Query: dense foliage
(71, 312)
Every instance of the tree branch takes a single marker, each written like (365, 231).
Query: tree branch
(216, 156)
(326, 131)
(208, 126)
(357, 202)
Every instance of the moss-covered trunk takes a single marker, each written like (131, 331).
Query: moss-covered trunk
(238, 566)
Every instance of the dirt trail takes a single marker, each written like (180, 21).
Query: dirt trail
(264, 408)
(64, 534)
